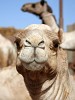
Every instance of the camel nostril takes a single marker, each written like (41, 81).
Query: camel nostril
(42, 42)
(28, 42)
(41, 45)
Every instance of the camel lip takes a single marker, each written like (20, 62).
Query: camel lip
(23, 10)
(33, 61)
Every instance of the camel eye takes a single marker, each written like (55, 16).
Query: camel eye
(56, 43)
(42, 2)
(33, 5)
(28, 42)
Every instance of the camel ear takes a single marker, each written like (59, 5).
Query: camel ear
(18, 43)
(60, 34)
(18, 37)
(42, 2)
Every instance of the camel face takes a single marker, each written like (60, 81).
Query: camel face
(33, 52)
(36, 8)
(37, 48)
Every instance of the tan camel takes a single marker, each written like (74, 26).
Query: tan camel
(44, 65)
(44, 11)
(8, 52)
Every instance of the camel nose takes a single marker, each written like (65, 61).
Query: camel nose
(26, 7)
(23, 7)
(40, 44)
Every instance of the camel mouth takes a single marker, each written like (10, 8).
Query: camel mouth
(34, 61)
(33, 66)
(23, 10)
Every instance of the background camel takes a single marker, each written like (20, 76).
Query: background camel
(44, 11)
(8, 53)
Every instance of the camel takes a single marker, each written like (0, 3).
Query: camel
(43, 72)
(44, 11)
(12, 85)
(8, 52)
(43, 64)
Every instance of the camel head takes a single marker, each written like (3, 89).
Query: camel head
(37, 8)
(37, 47)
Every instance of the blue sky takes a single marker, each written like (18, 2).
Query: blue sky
(12, 16)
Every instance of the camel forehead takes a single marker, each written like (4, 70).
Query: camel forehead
(37, 31)
(39, 26)
(34, 35)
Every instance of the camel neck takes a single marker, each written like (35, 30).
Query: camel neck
(40, 89)
(48, 90)
(45, 14)
(48, 19)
